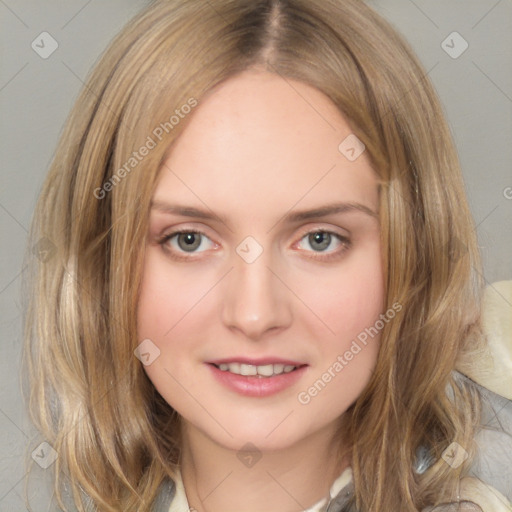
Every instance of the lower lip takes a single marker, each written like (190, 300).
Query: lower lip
(252, 385)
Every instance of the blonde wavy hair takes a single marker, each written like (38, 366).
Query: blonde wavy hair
(117, 439)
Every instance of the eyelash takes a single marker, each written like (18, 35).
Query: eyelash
(344, 241)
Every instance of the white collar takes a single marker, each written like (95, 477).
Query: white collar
(180, 503)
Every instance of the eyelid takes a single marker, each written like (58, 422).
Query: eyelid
(167, 236)
(344, 241)
(325, 229)
(320, 255)
(170, 231)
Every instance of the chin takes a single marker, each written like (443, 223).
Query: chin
(265, 436)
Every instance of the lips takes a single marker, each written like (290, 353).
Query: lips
(257, 377)
(267, 367)
(266, 370)
(256, 361)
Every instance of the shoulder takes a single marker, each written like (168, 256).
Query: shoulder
(172, 497)
(489, 482)
(493, 370)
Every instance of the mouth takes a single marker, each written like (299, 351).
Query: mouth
(257, 378)
(261, 371)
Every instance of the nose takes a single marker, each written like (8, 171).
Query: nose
(255, 300)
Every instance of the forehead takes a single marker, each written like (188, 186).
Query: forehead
(261, 139)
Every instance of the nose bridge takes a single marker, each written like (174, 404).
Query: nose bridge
(254, 300)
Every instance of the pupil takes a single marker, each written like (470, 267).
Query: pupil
(191, 241)
(321, 238)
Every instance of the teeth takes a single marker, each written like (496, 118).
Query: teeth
(248, 369)
(267, 370)
(278, 368)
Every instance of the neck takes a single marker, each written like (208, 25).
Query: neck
(218, 479)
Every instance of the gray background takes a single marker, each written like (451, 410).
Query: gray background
(36, 94)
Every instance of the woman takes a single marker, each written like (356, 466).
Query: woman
(207, 364)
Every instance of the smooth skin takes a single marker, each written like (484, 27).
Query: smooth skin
(256, 149)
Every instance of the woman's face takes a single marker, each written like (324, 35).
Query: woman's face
(262, 280)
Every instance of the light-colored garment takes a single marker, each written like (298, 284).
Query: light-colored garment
(471, 489)
(493, 370)
(489, 483)
(180, 503)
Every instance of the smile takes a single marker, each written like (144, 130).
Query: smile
(260, 378)
(267, 370)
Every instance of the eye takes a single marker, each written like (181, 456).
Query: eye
(185, 241)
(189, 241)
(321, 240)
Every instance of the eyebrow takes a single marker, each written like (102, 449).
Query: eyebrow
(292, 217)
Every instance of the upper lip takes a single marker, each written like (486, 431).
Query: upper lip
(256, 362)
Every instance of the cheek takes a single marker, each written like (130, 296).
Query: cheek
(165, 306)
(350, 300)
(351, 306)
(167, 296)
